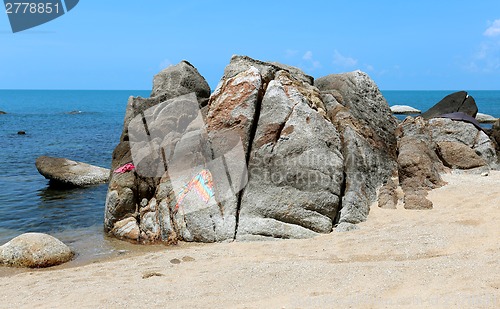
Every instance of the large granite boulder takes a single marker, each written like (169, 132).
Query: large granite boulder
(295, 166)
(455, 102)
(364, 120)
(34, 250)
(270, 156)
(127, 190)
(64, 172)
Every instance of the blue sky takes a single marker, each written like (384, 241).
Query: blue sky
(403, 45)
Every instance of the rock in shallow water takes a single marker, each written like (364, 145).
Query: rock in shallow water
(64, 172)
(34, 250)
(404, 110)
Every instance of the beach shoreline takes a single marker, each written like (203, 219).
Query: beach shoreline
(398, 258)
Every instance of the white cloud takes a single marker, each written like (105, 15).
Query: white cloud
(344, 61)
(486, 59)
(290, 53)
(165, 64)
(494, 29)
(308, 55)
(311, 63)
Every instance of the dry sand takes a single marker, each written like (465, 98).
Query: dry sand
(443, 258)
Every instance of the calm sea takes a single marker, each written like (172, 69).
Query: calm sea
(27, 204)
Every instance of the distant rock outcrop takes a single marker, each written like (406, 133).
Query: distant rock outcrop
(34, 250)
(484, 118)
(404, 110)
(455, 102)
(2, 113)
(64, 172)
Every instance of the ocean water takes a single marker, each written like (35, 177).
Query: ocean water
(27, 204)
(89, 134)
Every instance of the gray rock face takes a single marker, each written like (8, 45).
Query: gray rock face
(366, 126)
(181, 79)
(64, 172)
(34, 250)
(127, 190)
(270, 156)
(295, 168)
(455, 102)
(484, 118)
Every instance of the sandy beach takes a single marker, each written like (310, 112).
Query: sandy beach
(441, 258)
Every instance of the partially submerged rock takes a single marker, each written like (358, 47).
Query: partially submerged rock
(64, 172)
(404, 110)
(2, 113)
(484, 118)
(34, 250)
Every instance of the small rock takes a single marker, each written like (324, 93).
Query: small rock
(74, 112)
(127, 228)
(485, 174)
(2, 113)
(187, 259)
(152, 274)
(484, 118)
(346, 227)
(34, 250)
(175, 261)
(21, 132)
(417, 201)
(404, 110)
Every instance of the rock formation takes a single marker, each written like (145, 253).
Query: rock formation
(64, 172)
(428, 147)
(364, 120)
(2, 113)
(455, 102)
(34, 250)
(404, 110)
(270, 155)
(484, 118)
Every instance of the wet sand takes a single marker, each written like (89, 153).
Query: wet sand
(440, 258)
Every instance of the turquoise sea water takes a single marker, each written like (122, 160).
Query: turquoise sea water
(27, 204)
